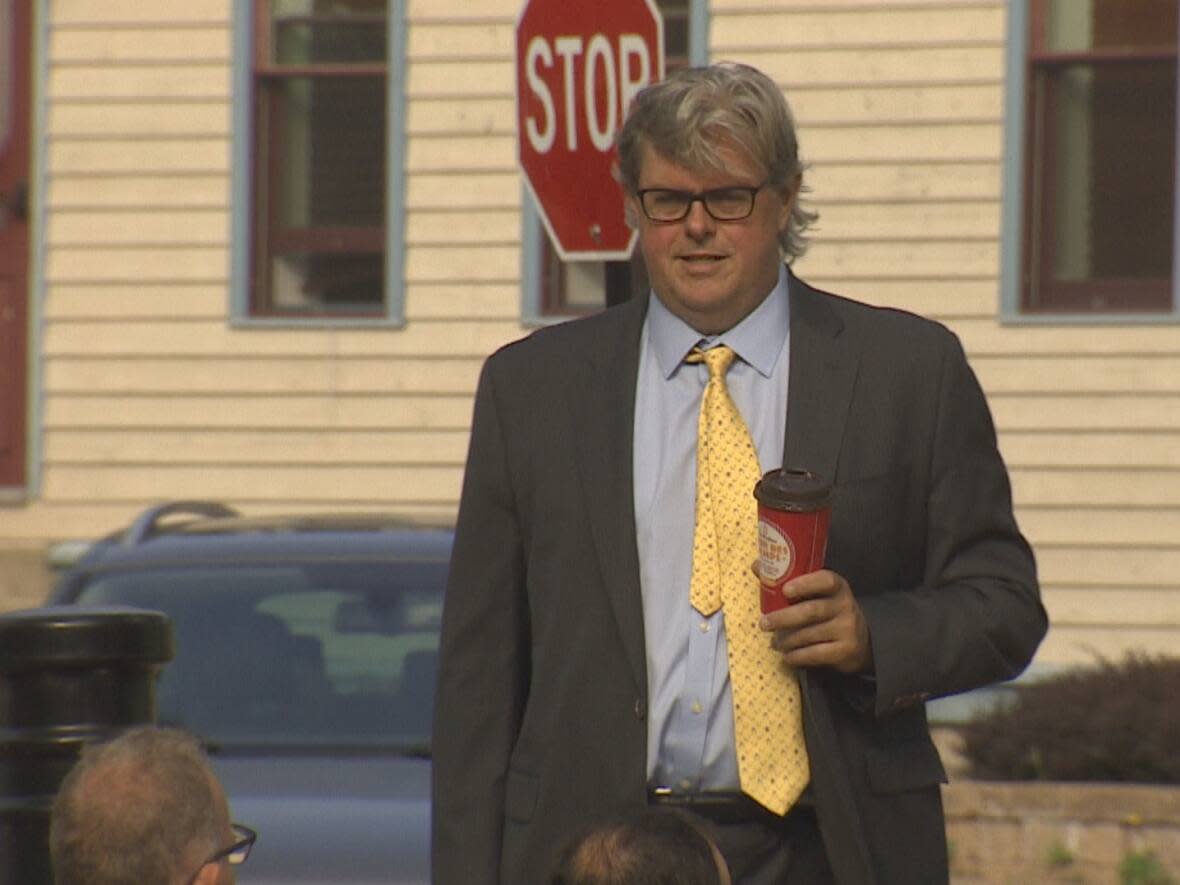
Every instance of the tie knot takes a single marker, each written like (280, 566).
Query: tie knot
(716, 359)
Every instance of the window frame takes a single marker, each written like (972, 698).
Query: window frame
(536, 307)
(246, 18)
(1016, 199)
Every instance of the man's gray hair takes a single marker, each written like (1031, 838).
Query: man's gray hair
(691, 114)
(136, 811)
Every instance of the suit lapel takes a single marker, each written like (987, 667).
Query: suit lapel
(824, 365)
(603, 415)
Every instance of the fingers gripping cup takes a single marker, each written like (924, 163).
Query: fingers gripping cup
(794, 511)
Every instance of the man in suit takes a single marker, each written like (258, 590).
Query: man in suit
(578, 678)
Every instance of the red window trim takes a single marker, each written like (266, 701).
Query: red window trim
(1109, 295)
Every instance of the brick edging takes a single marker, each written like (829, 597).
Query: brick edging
(1058, 832)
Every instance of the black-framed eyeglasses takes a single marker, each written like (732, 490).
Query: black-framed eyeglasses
(722, 203)
(244, 839)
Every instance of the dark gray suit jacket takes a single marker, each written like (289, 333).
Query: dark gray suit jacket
(541, 710)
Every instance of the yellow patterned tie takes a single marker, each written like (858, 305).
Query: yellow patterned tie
(767, 708)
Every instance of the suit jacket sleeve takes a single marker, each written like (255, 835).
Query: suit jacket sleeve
(482, 673)
(976, 617)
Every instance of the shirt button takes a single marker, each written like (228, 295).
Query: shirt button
(696, 707)
(640, 708)
(704, 626)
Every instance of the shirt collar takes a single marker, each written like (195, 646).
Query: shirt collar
(757, 339)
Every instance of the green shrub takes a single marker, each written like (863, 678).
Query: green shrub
(1060, 856)
(1142, 868)
(1107, 722)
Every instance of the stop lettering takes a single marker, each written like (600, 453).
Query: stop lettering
(590, 73)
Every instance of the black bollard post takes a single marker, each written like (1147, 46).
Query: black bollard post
(68, 675)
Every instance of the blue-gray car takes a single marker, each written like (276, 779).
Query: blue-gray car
(306, 653)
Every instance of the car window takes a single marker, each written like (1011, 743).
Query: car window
(329, 654)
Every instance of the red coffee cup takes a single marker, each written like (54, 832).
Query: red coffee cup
(794, 511)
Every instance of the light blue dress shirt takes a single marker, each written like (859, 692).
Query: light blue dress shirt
(690, 743)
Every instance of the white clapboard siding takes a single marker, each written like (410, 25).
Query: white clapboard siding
(449, 79)
(937, 298)
(1084, 645)
(438, 40)
(149, 119)
(470, 338)
(455, 227)
(92, 228)
(188, 155)
(447, 116)
(1096, 489)
(488, 301)
(462, 11)
(197, 81)
(913, 104)
(961, 219)
(893, 66)
(893, 258)
(1043, 448)
(898, 180)
(872, 26)
(378, 486)
(833, 7)
(135, 13)
(140, 42)
(176, 301)
(461, 154)
(1055, 374)
(1124, 527)
(266, 375)
(483, 191)
(304, 412)
(1142, 607)
(151, 393)
(136, 264)
(212, 446)
(136, 189)
(1082, 412)
(986, 336)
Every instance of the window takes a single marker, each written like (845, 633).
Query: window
(559, 289)
(318, 189)
(290, 654)
(1099, 176)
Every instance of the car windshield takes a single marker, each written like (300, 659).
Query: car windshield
(333, 655)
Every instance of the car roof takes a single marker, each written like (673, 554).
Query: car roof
(204, 532)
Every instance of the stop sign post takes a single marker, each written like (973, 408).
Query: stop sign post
(578, 65)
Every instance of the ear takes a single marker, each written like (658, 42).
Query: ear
(631, 210)
(789, 195)
(210, 874)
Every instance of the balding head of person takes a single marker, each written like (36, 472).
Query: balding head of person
(144, 809)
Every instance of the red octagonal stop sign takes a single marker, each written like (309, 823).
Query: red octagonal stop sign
(578, 65)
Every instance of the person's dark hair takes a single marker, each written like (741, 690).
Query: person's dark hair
(687, 116)
(651, 846)
(136, 811)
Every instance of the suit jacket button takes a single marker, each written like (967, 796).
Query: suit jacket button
(640, 709)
